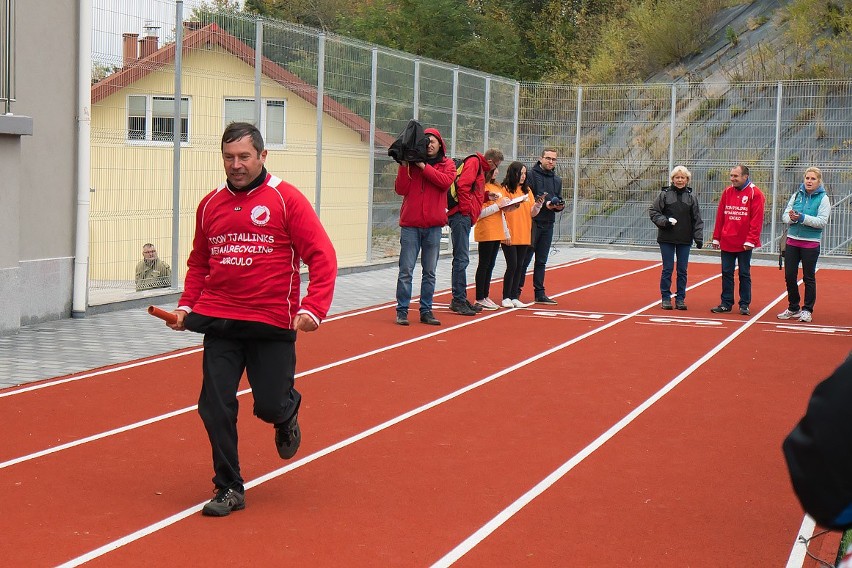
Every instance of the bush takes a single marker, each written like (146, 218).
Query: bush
(732, 36)
(649, 36)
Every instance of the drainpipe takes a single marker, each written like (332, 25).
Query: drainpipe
(84, 127)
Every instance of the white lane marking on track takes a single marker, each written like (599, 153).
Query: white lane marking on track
(385, 306)
(800, 548)
(697, 322)
(98, 552)
(53, 383)
(808, 329)
(555, 314)
(141, 423)
(147, 361)
(496, 522)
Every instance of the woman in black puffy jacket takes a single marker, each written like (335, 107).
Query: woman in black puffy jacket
(676, 214)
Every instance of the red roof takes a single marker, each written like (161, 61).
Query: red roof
(213, 35)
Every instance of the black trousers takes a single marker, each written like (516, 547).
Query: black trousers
(268, 356)
(487, 259)
(793, 255)
(515, 255)
(542, 239)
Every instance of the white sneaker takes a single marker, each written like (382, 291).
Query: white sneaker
(487, 304)
(507, 303)
(806, 316)
(787, 314)
(520, 304)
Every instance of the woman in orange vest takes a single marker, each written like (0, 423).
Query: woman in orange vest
(519, 221)
(489, 231)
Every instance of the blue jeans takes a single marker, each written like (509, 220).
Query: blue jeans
(668, 251)
(460, 237)
(542, 239)
(729, 260)
(427, 243)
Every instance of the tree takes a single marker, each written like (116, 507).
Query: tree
(321, 14)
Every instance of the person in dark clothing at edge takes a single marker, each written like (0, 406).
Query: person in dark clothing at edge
(423, 187)
(819, 455)
(543, 180)
(470, 187)
(242, 291)
(677, 216)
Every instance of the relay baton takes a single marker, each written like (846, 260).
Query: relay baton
(167, 317)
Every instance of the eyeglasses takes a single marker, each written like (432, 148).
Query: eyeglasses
(549, 159)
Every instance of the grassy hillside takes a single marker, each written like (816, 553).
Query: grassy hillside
(724, 40)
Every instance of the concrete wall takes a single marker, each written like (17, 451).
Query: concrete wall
(37, 230)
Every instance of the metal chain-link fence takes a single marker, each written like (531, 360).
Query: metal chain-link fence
(329, 106)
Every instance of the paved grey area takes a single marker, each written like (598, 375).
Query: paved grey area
(71, 346)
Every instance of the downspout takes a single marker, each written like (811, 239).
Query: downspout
(79, 300)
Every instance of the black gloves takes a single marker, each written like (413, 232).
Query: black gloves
(699, 244)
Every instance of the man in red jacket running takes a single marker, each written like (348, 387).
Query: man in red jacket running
(242, 291)
(739, 220)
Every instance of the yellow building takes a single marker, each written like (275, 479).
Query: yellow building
(132, 148)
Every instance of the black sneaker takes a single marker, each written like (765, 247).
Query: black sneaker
(545, 300)
(680, 304)
(288, 436)
(474, 307)
(460, 307)
(225, 501)
(721, 309)
(744, 311)
(429, 319)
(401, 319)
(667, 304)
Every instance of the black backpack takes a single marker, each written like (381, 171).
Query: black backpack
(412, 145)
(452, 194)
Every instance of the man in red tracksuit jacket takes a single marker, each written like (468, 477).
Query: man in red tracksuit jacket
(470, 189)
(242, 291)
(739, 220)
(423, 186)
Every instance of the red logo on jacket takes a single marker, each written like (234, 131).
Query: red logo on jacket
(260, 215)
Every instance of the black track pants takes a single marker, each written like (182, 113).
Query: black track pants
(268, 356)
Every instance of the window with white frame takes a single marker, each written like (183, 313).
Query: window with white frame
(273, 114)
(151, 117)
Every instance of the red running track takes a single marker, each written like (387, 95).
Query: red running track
(599, 431)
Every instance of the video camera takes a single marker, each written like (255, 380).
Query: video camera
(556, 201)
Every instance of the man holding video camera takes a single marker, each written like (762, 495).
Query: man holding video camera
(543, 180)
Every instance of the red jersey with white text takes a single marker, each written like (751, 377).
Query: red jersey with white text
(246, 254)
(739, 218)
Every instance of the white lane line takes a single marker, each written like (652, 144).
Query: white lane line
(469, 543)
(799, 553)
(157, 359)
(118, 543)
(53, 383)
(193, 408)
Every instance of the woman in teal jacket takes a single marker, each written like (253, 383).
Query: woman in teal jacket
(807, 215)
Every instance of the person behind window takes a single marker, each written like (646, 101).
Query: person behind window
(151, 272)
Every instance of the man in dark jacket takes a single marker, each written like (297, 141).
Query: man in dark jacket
(423, 187)
(543, 180)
